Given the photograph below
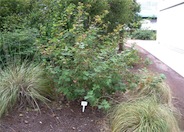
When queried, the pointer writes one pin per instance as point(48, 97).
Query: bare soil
point(67, 117)
point(57, 118)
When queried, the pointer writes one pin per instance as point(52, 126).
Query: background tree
point(34, 13)
point(120, 11)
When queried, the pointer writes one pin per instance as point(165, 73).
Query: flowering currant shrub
point(83, 60)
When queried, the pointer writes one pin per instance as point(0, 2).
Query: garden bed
point(67, 117)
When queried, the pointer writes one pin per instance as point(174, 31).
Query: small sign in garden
point(84, 104)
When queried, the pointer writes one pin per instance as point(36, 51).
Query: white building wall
point(170, 22)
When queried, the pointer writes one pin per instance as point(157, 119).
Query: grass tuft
point(143, 116)
point(152, 85)
point(22, 85)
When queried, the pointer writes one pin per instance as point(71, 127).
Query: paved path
point(172, 57)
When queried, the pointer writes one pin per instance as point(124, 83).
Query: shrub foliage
point(84, 62)
point(18, 44)
point(144, 34)
point(150, 84)
point(77, 42)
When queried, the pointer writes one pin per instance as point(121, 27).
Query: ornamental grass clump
point(143, 116)
point(151, 84)
point(23, 85)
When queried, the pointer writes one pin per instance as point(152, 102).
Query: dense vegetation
point(75, 41)
point(143, 34)
point(72, 47)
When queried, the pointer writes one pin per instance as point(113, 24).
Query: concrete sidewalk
point(172, 57)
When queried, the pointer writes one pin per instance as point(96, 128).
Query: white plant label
point(84, 104)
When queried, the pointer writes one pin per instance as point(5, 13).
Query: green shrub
point(23, 85)
point(13, 13)
point(144, 35)
point(143, 116)
point(131, 57)
point(20, 43)
point(84, 62)
point(150, 84)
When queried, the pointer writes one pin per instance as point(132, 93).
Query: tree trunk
point(120, 47)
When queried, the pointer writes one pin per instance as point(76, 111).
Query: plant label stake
point(84, 104)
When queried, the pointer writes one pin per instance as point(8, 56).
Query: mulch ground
point(68, 117)
point(57, 118)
